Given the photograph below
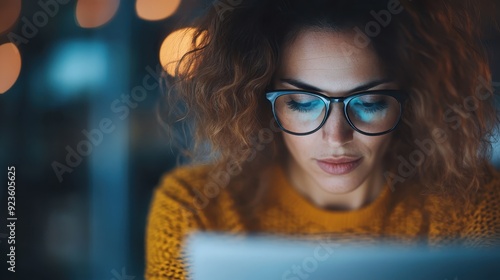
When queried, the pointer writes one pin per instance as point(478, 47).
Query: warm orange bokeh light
point(174, 47)
point(9, 12)
point(10, 66)
point(95, 13)
point(156, 9)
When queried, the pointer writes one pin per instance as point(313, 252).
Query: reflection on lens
point(374, 113)
point(300, 112)
point(304, 112)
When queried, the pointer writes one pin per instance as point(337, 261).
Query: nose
point(337, 131)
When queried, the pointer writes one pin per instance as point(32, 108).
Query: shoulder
point(482, 214)
point(487, 197)
point(475, 222)
point(171, 217)
point(201, 190)
point(486, 201)
point(185, 185)
point(172, 197)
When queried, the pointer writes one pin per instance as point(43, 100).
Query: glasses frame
point(399, 95)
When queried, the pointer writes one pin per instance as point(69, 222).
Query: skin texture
point(319, 59)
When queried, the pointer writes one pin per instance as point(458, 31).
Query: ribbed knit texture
point(402, 214)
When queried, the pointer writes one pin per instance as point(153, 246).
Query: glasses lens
point(374, 113)
point(300, 112)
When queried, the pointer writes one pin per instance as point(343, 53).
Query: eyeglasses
point(370, 113)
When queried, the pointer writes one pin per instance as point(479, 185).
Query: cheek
point(376, 146)
point(298, 146)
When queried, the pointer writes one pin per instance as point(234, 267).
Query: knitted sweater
point(401, 214)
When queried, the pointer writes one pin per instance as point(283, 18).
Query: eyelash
point(295, 106)
point(378, 106)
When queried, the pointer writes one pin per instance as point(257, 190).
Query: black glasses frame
point(399, 95)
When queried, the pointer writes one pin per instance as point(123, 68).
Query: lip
point(339, 165)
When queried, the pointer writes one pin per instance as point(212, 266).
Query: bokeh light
point(156, 9)
point(9, 12)
point(174, 47)
point(77, 66)
point(95, 13)
point(10, 66)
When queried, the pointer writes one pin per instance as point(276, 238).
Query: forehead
point(329, 60)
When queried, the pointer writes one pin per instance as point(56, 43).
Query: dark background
point(91, 224)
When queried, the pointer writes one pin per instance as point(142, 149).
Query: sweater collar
point(286, 197)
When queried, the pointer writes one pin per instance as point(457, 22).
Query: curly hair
point(431, 48)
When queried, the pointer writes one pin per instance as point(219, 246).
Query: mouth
point(339, 165)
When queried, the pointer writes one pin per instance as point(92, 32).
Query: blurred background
point(79, 86)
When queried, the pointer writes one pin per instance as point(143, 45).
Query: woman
point(343, 120)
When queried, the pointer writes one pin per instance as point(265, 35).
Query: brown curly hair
point(432, 49)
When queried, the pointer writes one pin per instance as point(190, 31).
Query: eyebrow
point(299, 84)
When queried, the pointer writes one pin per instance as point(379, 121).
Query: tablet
point(229, 257)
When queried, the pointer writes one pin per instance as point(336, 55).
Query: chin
point(340, 185)
point(339, 189)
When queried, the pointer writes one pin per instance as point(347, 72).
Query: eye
point(306, 106)
point(372, 107)
point(303, 103)
point(369, 104)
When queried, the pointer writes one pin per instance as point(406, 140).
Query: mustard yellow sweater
point(401, 214)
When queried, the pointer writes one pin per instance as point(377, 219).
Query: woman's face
point(336, 158)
